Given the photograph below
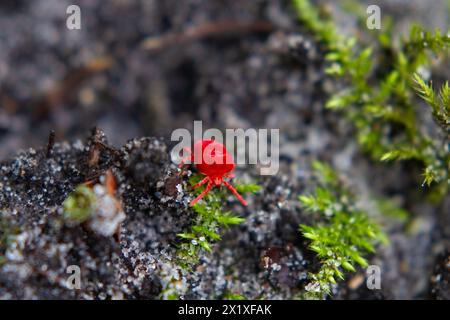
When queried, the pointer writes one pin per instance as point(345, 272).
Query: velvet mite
point(212, 159)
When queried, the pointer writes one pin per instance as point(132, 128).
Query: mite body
point(212, 159)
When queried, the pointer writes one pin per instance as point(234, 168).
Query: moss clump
point(342, 238)
point(379, 98)
point(203, 233)
point(79, 205)
point(209, 222)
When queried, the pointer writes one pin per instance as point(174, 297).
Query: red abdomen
point(212, 158)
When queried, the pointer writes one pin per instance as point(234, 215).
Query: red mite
point(214, 161)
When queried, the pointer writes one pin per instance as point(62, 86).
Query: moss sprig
point(344, 236)
point(210, 221)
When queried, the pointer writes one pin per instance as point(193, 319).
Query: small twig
point(107, 147)
point(210, 29)
point(96, 146)
point(50, 144)
point(94, 150)
point(69, 86)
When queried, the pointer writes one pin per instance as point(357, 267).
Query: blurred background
point(147, 67)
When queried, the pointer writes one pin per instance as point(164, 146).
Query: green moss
point(209, 222)
point(438, 101)
point(170, 292)
point(78, 206)
point(342, 238)
point(379, 98)
point(390, 209)
point(233, 296)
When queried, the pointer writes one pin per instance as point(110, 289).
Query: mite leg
point(201, 195)
point(205, 180)
point(236, 194)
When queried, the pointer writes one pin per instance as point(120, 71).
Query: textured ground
point(139, 260)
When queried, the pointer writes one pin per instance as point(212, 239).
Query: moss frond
point(344, 236)
point(209, 223)
point(438, 101)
